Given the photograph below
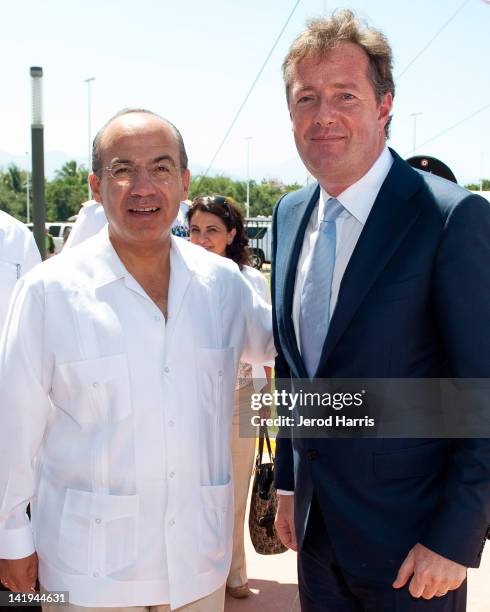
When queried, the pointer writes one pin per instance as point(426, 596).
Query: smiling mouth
point(328, 139)
point(148, 210)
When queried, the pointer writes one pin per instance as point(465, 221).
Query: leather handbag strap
point(264, 435)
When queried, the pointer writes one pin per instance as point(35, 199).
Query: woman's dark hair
point(231, 216)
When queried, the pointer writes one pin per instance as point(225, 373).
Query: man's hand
point(432, 575)
point(19, 575)
point(285, 521)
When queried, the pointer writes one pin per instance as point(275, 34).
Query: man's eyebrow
point(164, 158)
point(119, 160)
point(346, 85)
point(337, 85)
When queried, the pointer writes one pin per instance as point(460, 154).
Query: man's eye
point(347, 96)
point(304, 99)
point(161, 169)
point(121, 170)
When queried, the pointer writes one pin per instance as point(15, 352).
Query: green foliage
point(66, 192)
point(68, 189)
point(476, 186)
point(13, 191)
point(263, 195)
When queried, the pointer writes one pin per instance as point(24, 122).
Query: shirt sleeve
point(24, 410)
point(259, 342)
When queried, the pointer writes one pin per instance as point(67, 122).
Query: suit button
point(312, 454)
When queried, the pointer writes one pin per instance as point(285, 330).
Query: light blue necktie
point(317, 289)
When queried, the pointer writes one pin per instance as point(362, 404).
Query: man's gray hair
point(323, 34)
point(96, 147)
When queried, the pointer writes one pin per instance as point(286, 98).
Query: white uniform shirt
point(129, 419)
point(18, 254)
point(258, 282)
point(90, 220)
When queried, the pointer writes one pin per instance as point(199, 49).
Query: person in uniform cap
point(432, 165)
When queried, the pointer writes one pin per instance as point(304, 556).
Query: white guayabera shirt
point(128, 419)
point(18, 254)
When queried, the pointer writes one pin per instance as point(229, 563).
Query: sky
point(194, 61)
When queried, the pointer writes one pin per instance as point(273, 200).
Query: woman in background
point(216, 224)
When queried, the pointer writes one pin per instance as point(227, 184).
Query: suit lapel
point(298, 217)
point(393, 214)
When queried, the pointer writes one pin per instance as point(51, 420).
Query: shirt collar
point(109, 267)
point(358, 199)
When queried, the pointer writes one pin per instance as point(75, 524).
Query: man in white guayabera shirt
point(117, 375)
point(18, 254)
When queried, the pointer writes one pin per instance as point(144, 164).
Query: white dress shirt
point(257, 371)
point(90, 220)
point(116, 424)
point(18, 254)
point(357, 200)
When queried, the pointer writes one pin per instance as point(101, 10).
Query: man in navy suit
point(379, 524)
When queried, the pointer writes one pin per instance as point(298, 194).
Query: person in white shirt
point(18, 254)
point(117, 373)
point(217, 225)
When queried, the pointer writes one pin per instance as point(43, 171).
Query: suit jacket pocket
point(215, 524)
point(411, 462)
point(94, 390)
point(98, 532)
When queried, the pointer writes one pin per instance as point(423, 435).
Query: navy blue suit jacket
point(414, 302)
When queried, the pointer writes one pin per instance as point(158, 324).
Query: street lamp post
point(37, 148)
point(28, 212)
point(89, 119)
point(415, 115)
point(247, 205)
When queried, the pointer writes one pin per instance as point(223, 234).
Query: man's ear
point(385, 108)
point(186, 181)
point(94, 181)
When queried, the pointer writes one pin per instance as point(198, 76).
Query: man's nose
point(325, 112)
point(142, 183)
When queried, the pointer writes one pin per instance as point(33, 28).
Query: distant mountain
point(289, 171)
point(53, 160)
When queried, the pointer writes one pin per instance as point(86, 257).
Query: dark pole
point(37, 139)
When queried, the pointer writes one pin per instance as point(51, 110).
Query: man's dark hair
point(96, 147)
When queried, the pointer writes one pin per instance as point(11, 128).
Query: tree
point(476, 186)
point(12, 192)
point(263, 195)
point(66, 192)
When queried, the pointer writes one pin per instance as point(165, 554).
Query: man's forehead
point(340, 54)
point(136, 128)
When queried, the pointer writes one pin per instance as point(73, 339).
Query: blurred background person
point(18, 254)
point(216, 224)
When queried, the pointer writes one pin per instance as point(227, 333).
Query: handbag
point(263, 503)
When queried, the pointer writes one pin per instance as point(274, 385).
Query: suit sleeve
point(462, 304)
point(284, 466)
